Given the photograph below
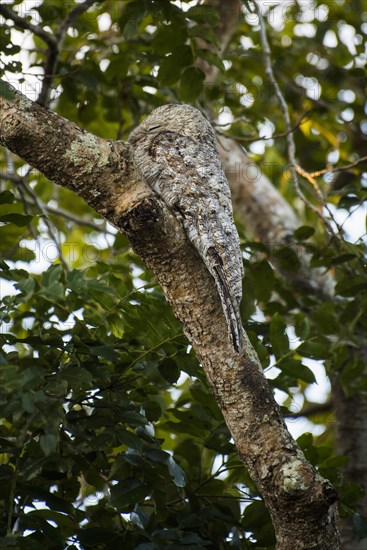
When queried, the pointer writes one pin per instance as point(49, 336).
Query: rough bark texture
point(301, 503)
point(351, 441)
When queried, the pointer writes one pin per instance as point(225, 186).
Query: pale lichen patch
point(88, 153)
point(293, 479)
point(25, 103)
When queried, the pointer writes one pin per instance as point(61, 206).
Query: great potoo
point(174, 149)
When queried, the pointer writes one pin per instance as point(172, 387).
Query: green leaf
point(174, 469)
point(315, 350)
point(126, 494)
point(287, 258)
point(351, 286)
point(108, 352)
point(6, 197)
point(303, 233)
point(172, 66)
point(17, 219)
point(343, 259)
point(176, 472)
point(192, 81)
point(152, 410)
point(169, 370)
point(211, 58)
point(92, 537)
point(168, 38)
point(205, 33)
point(263, 280)
point(204, 14)
point(278, 337)
point(297, 369)
point(6, 91)
point(48, 443)
point(130, 439)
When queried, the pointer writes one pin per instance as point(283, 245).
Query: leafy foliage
point(110, 435)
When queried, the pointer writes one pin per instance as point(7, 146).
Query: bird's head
point(181, 119)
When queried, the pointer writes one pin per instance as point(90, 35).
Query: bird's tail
point(229, 301)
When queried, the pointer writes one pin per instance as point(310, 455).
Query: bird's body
point(174, 149)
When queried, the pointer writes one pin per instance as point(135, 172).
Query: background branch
point(55, 48)
point(22, 23)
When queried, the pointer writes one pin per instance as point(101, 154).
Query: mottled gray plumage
point(174, 149)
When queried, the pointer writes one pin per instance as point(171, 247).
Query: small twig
point(22, 23)
point(55, 48)
point(309, 177)
point(312, 409)
point(338, 168)
point(41, 207)
point(291, 146)
point(274, 136)
point(302, 172)
point(12, 497)
point(278, 92)
point(79, 221)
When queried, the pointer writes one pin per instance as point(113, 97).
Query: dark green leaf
point(169, 370)
point(192, 81)
point(298, 370)
point(278, 337)
point(6, 91)
point(204, 14)
point(6, 197)
point(315, 350)
point(17, 219)
point(360, 526)
point(172, 66)
point(303, 233)
point(168, 38)
point(128, 493)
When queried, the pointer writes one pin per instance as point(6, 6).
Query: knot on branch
point(329, 492)
point(143, 216)
point(297, 477)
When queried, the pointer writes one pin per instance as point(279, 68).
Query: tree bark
point(301, 503)
point(351, 441)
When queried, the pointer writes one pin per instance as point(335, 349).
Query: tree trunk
point(351, 441)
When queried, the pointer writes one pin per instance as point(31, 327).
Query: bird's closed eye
point(151, 128)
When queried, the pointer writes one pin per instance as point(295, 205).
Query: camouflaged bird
point(174, 150)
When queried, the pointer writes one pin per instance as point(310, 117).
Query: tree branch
point(294, 167)
point(55, 48)
point(334, 169)
point(312, 409)
point(14, 178)
point(22, 23)
point(245, 139)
